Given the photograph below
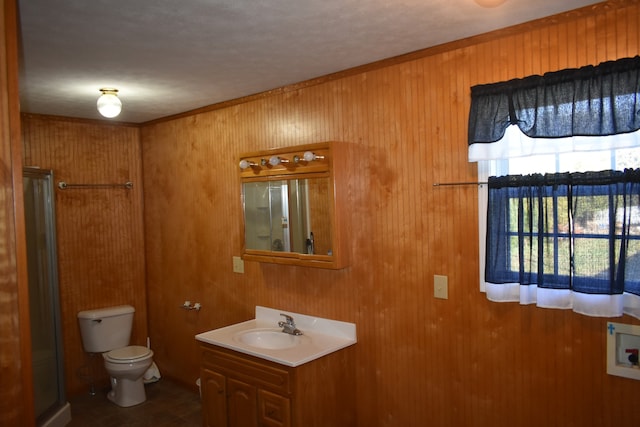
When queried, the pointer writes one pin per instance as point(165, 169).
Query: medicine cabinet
point(293, 200)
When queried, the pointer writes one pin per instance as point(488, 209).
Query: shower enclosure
point(51, 407)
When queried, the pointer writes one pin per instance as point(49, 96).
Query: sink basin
point(260, 337)
point(270, 339)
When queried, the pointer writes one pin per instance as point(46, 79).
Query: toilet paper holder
point(188, 306)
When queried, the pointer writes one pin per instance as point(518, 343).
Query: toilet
point(107, 331)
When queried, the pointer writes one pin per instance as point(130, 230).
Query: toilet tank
point(106, 329)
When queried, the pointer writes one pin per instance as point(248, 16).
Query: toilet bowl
point(126, 367)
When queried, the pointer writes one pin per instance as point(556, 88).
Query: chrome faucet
point(289, 326)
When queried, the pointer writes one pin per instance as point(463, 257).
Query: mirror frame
point(333, 165)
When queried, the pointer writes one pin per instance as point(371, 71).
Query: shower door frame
point(47, 200)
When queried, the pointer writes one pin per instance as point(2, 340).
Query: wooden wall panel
point(16, 375)
point(421, 361)
point(99, 230)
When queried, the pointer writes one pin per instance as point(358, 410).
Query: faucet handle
point(289, 326)
point(288, 318)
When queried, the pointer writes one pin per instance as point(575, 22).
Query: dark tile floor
point(167, 404)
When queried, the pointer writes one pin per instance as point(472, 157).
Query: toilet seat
point(128, 354)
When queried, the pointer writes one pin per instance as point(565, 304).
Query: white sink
point(270, 339)
point(260, 337)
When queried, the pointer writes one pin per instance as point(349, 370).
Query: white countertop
point(320, 337)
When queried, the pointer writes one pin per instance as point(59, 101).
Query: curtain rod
point(63, 185)
point(446, 184)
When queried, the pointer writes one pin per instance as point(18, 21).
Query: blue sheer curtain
point(569, 232)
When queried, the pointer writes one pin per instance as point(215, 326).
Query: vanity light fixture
point(109, 105)
point(310, 156)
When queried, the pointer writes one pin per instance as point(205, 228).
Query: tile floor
point(168, 404)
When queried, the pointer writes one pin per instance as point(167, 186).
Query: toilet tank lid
point(99, 313)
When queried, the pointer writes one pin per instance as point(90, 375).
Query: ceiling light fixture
point(109, 105)
point(490, 3)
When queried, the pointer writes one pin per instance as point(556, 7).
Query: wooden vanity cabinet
point(239, 390)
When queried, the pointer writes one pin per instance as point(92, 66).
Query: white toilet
point(107, 331)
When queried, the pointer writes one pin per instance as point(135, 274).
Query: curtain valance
point(590, 101)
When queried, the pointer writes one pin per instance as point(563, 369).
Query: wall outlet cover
point(440, 287)
point(238, 265)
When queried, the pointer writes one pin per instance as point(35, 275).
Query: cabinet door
point(273, 410)
point(214, 398)
point(242, 404)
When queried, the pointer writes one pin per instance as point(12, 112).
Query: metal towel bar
point(445, 184)
point(63, 185)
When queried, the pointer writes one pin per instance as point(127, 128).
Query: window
point(564, 232)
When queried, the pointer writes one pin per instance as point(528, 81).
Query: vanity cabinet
point(295, 205)
point(240, 390)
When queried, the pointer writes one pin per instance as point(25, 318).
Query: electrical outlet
point(440, 287)
point(238, 265)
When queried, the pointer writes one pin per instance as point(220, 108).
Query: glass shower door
point(44, 305)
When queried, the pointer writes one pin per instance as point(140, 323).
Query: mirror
point(290, 203)
point(290, 215)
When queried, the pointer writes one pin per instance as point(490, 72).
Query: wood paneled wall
point(99, 230)
point(16, 389)
point(421, 361)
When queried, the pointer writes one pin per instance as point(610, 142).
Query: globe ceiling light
point(490, 3)
point(109, 105)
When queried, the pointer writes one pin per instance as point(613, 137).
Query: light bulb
point(109, 105)
point(310, 156)
point(275, 160)
point(245, 164)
